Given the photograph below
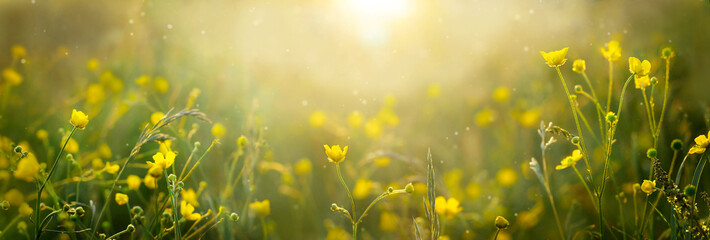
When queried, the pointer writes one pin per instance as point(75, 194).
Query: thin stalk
point(576, 121)
point(264, 231)
point(650, 117)
point(173, 198)
point(665, 99)
point(596, 102)
point(611, 84)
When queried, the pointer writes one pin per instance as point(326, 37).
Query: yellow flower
point(190, 196)
point(27, 168)
point(447, 208)
point(556, 58)
point(388, 116)
point(218, 130)
point(303, 167)
point(155, 117)
point(14, 197)
point(363, 188)
point(382, 161)
point(530, 118)
point(648, 186)
point(92, 64)
point(373, 128)
point(484, 118)
point(121, 198)
point(187, 210)
point(12, 76)
point(613, 51)
point(160, 162)
point(501, 222)
point(97, 164)
point(701, 142)
point(433, 91)
point(25, 210)
point(150, 182)
point(194, 93)
point(317, 119)
point(335, 154)
point(165, 147)
point(134, 182)
point(473, 190)
point(143, 80)
point(111, 168)
point(642, 82)
point(388, 222)
point(105, 151)
point(18, 51)
point(72, 146)
point(161, 85)
point(579, 66)
point(95, 93)
point(506, 177)
point(261, 209)
point(501, 94)
point(42, 134)
point(78, 119)
point(570, 161)
point(638, 67)
point(355, 119)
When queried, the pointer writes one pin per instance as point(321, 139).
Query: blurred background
point(388, 78)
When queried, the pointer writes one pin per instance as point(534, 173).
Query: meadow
point(354, 119)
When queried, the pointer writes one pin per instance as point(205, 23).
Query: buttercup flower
point(648, 186)
point(261, 208)
point(134, 182)
point(160, 162)
point(25, 210)
point(218, 130)
point(121, 198)
point(188, 211)
point(613, 51)
point(449, 208)
point(12, 76)
point(556, 58)
point(579, 65)
point(335, 154)
point(570, 161)
point(27, 168)
point(701, 142)
point(190, 196)
point(78, 119)
point(638, 67)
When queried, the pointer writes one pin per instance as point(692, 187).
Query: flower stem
point(352, 201)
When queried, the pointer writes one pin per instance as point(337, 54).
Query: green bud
point(80, 211)
point(137, 210)
point(575, 140)
point(667, 52)
point(654, 80)
point(501, 222)
point(5, 205)
point(676, 145)
point(651, 153)
point(18, 149)
point(689, 190)
point(409, 188)
point(390, 190)
point(172, 177)
point(131, 228)
point(180, 184)
point(578, 88)
point(234, 217)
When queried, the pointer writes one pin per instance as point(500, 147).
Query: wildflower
point(303, 167)
point(529, 118)
point(161, 85)
point(501, 222)
point(667, 53)
point(648, 186)
point(78, 119)
point(506, 177)
point(651, 153)
point(134, 182)
point(150, 182)
point(317, 119)
point(261, 208)
point(190, 196)
point(373, 128)
point(42, 134)
point(579, 66)
point(382, 161)
point(18, 51)
point(701, 142)
point(638, 67)
point(27, 168)
point(388, 116)
point(165, 147)
point(556, 58)
point(613, 51)
point(641, 82)
point(160, 161)
point(218, 130)
point(388, 222)
point(143, 80)
point(473, 190)
point(12, 77)
point(187, 210)
point(121, 198)
point(92, 64)
point(363, 188)
point(14, 197)
point(676, 145)
point(485, 117)
point(155, 117)
point(25, 210)
point(570, 161)
point(72, 146)
point(111, 168)
point(501, 94)
point(335, 154)
point(95, 93)
point(449, 208)
point(104, 151)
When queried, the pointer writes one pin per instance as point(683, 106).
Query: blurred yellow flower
point(190, 196)
point(335, 154)
point(579, 66)
point(161, 85)
point(111, 168)
point(42, 134)
point(12, 77)
point(642, 82)
point(78, 119)
point(420, 188)
point(97, 164)
point(638, 67)
point(143, 80)
point(317, 119)
point(613, 51)
point(382, 161)
point(530, 118)
point(701, 143)
point(27, 168)
point(150, 182)
point(218, 130)
point(506, 177)
point(363, 188)
point(121, 198)
point(433, 91)
point(160, 162)
point(373, 128)
point(194, 93)
point(155, 117)
point(104, 151)
point(448, 208)
point(261, 208)
point(484, 118)
point(14, 197)
point(473, 190)
point(355, 119)
point(390, 100)
point(570, 161)
point(555, 58)
point(165, 147)
point(188, 211)
point(95, 93)
point(388, 116)
point(25, 210)
point(303, 167)
point(134, 182)
point(92, 64)
point(72, 146)
point(388, 222)
point(648, 187)
point(501, 94)
point(18, 51)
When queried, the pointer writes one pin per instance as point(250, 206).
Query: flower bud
point(575, 140)
point(390, 190)
point(654, 80)
point(137, 210)
point(18, 149)
point(172, 177)
point(689, 190)
point(667, 52)
point(611, 117)
point(234, 217)
point(181, 184)
point(651, 153)
point(578, 88)
point(409, 188)
point(5, 205)
point(80, 211)
point(676, 145)
point(131, 228)
point(501, 222)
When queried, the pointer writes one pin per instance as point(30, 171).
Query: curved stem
point(352, 201)
point(665, 99)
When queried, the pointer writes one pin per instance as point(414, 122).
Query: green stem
point(646, 103)
point(263, 228)
point(665, 99)
point(600, 112)
point(176, 223)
